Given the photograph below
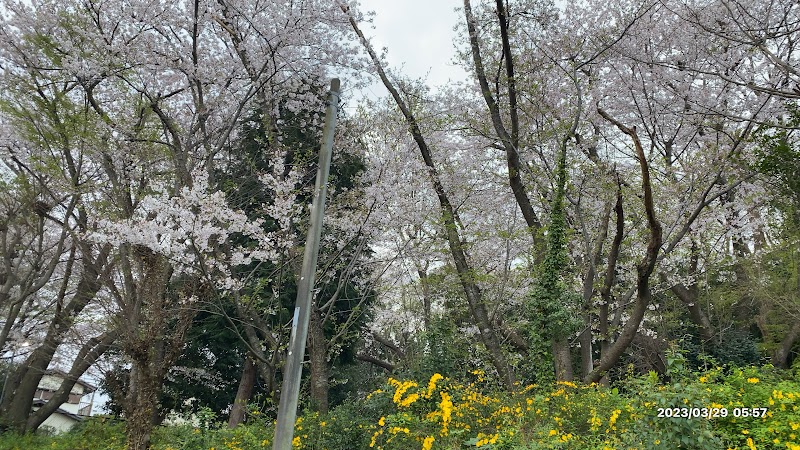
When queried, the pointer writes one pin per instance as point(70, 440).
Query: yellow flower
point(613, 419)
point(296, 441)
point(427, 444)
point(595, 422)
point(753, 380)
point(751, 444)
point(432, 384)
point(400, 388)
point(447, 410)
point(382, 421)
point(553, 433)
point(374, 437)
point(409, 400)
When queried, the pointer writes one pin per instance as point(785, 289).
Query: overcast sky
point(419, 35)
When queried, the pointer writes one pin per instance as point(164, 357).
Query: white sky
point(419, 36)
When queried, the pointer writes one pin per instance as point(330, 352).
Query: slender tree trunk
point(610, 275)
point(587, 352)
point(426, 298)
point(689, 297)
point(243, 394)
point(450, 223)
point(318, 356)
point(585, 338)
point(509, 139)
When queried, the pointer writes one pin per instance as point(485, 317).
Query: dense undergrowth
point(439, 413)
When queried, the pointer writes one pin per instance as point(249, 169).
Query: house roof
point(39, 403)
point(61, 374)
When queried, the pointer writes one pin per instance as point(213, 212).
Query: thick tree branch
point(645, 267)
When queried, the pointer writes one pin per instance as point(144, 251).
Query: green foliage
point(95, 434)
point(550, 306)
point(738, 348)
point(779, 157)
point(668, 433)
point(537, 363)
point(442, 348)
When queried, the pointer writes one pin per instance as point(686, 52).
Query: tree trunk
point(689, 296)
point(780, 358)
point(142, 400)
point(144, 344)
point(509, 139)
point(587, 353)
point(585, 338)
point(610, 277)
point(153, 335)
point(562, 359)
point(246, 384)
point(426, 298)
point(318, 356)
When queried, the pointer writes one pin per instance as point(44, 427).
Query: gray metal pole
point(290, 390)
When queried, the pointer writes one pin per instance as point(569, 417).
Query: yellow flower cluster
point(400, 388)
point(613, 420)
point(595, 421)
point(446, 407)
point(432, 384)
point(484, 439)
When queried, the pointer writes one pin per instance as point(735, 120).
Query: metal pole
point(290, 390)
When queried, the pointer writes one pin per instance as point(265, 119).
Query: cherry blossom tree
point(162, 88)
